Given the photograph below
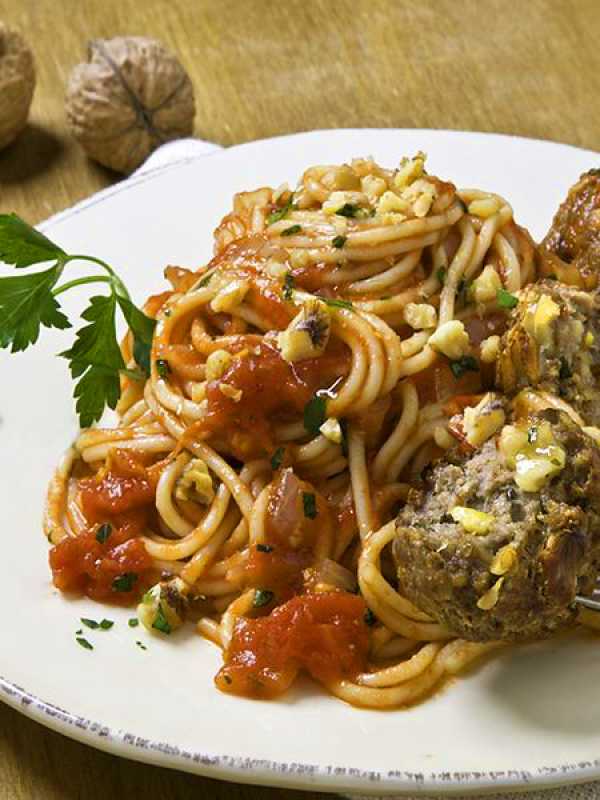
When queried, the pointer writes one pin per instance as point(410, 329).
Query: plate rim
point(264, 772)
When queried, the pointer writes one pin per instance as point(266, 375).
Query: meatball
point(553, 345)
point(571, 248)
point(493, 551)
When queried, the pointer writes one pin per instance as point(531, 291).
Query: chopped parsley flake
point(204, 281)
point(315, 414)
point(441, 275)
point(291, 230)
point(464, 364)
point(280, 213)
point(106, 624)
point(103, 532)
point(565, 371)
point(90, 623)
point(124, 582)
point(309, 504)
point(348, 210)
point(370, 618)
point(288, 286)
point(339, 241)
point(262, 597)
point(133, 622)
point(506, 299)
point(161, 623)
point(162, 367)
point(84, 643)
point(277, 458)
point(141, 646)
point(336, 303)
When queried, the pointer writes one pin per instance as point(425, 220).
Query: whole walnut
point(17, 82)
point(131, 96)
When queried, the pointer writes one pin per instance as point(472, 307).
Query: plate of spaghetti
point(327, 512)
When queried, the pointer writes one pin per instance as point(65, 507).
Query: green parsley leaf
point(21, 245)
point(506, 299)
point(163, 367)
point(27, 303)
point(262, 597)
point(142, 328)
point(370, 618)
point(441, 275)
point(277, 458)
point(103, 532)
point(90, 623)
point(161, 623)
point(339, 241)
point(309, 505)
point(315, 414)
point(79, 632)
point(282, 212)
point(124, 582)
point(336, 303)
point(348, 210)
point(133, 622)
point(106, 624)
point(96, 359)
point(84, 643)
point(288, 286)
point(464, 364)
point(264, 548)
point(291, 230)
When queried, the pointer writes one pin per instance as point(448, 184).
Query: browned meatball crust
point(553, 345)
point(571, 248)
point(552, 536)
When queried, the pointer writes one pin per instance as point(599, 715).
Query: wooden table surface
point(259, 69)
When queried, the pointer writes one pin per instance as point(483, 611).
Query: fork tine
point(585, 601)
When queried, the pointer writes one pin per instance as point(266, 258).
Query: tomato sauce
point(125, 486)
point(271, 388)
point(117, 570)
point(323, 633)
point(109, 562)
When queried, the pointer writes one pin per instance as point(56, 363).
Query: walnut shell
point(129, 98)
point(17, 82)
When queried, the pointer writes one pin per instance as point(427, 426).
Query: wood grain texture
point(260, 69)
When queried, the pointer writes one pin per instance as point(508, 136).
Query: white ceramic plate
point(529, 717)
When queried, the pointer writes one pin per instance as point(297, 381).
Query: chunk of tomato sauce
point(117, 570)
point(271, 387)
point(126, 485)
point(324, 634)
point(114, 567)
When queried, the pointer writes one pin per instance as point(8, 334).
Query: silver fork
point(592, 602)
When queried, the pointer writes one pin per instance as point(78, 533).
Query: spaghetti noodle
point(299, 383)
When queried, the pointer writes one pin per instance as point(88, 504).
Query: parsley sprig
point(29, 302)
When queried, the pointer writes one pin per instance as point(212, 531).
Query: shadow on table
point(33, 152)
